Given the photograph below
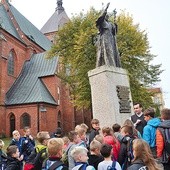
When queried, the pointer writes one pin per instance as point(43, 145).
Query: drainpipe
point(38, 117)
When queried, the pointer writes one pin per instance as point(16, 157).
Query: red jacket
point(111, 140)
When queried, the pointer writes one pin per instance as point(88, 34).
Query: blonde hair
point(77, 128)
point(142, 151)
point(65, 139)
point(77, 151)
point(1, 144)
point(41, 136)
point(81, 131)
point(54, 145)
point(15, 132)
point(84, 126)
point(95, 145)
point(99, 138)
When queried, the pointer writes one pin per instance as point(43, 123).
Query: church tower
point(57, 20)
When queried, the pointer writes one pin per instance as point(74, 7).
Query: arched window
point(59, 119)
point(25, 120)
point(11, 63)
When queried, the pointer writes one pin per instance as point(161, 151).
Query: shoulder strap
point(55, 165)
point(114, 164)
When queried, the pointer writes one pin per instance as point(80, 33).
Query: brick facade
point(42, 116)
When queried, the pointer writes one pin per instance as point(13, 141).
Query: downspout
point(38, 117)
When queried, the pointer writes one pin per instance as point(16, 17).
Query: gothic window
point(11, 63)
point(25, 120)
point(59, 119)
point(58, 92)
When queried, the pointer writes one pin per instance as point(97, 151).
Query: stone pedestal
point(111, 97)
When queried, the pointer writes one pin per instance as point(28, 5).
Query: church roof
point(6, 24)
point(57, 20)
point(25, 25)
point(29, 87)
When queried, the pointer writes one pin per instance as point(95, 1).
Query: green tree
point(75, 44)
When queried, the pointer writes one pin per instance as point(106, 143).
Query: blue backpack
point(113, 167)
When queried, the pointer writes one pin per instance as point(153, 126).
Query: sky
point(152, 16)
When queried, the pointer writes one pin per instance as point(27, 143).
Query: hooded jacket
point(149, 131)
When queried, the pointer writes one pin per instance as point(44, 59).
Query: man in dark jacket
point(138, 118)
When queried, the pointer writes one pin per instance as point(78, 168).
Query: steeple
point(59, 8)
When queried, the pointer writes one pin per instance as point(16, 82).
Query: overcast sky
point(152, 15)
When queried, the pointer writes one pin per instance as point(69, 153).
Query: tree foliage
point(75, 44)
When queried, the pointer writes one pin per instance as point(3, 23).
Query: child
point(149, 131)
point(116, 130)
point(110, 139)
point(95, 157)
point(3, 158)
point(125, 156)
point(95, 129)
point(28, 143)
point(143, 158)
point(99, 138)
point(79, 154)
point(13, 155)
point(42, 138)
point(54, 146)
point(74, 140)
point(81, 132)
point(163, 138)
point(18, 141)
point(106, 151)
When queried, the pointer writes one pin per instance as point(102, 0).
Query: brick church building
point(31, 94)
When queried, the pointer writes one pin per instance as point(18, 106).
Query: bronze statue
point(107, 51)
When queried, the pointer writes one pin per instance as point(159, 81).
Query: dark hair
point(149, 112)
point(106, 150)
point(137, 103)
point(11, 150)
point(165, 114)
point(71, 135)
point(116, 127)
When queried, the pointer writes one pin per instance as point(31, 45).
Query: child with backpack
point(126, 151)
point(106, 152)
point(143, 158)
point(39, 154)
point(79, 154)
point(13, 162)
point(163, 139)
point(54, 146)
point(149, 131)
point(3, 158)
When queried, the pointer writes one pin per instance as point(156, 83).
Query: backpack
point(130, 155)
point(54, 166)
point(166, 137)
point(113, 167)
point(3, 161)
point(35, 160)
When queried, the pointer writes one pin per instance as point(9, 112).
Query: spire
point(59, 8)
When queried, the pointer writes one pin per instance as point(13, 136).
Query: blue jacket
point(149, 131)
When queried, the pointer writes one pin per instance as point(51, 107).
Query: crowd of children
point(107, 148)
